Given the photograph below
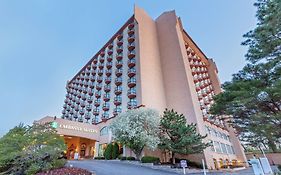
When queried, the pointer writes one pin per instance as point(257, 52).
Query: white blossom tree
point(136, 129)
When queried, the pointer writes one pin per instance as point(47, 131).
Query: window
point(217, 147)
point(104, 131)
point(223, 146)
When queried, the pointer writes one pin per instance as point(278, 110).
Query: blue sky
point(44, 43)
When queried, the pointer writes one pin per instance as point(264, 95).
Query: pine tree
point(179, 137)
point(253, 96)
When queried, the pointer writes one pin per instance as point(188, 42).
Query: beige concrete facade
point(156, 64)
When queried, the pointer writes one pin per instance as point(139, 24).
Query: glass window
point(104, 131)
point(217, 147)
point(223, 146)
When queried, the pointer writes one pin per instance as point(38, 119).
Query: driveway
point(105, 167)
point(101, 167)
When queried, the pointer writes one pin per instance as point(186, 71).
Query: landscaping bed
point(66, 171)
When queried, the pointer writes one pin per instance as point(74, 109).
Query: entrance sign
point(183, 165)
point(77, 128)
point(56, 125)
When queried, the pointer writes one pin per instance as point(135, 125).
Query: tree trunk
point(173, 158)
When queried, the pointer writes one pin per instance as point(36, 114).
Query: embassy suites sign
point(72, 127)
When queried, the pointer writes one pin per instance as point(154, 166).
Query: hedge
point(150, 159)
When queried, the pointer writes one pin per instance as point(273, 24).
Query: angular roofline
point(105, 45)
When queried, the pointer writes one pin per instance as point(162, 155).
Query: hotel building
point(151, 63)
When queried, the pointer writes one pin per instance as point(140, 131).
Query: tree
point(253, 96)
point(108, 151)
point(115, 151)
point(30, 149)
point(136, 129)
point(179, 137)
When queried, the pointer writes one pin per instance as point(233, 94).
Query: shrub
point(108, 151)
point(150, 159)
point(99, 158)
point(279, 167)
point(31, 149)
point(120, 156)
point(115, 151)
point(123, 158)
point(131, 158)
point(66, 170)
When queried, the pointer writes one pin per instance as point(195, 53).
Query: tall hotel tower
point(156, 64)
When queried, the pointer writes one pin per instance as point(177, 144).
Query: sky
point(44, 43)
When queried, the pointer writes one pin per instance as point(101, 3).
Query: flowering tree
point(137, 128)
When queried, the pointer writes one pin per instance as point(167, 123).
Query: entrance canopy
point(72, 128)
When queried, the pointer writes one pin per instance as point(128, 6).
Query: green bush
point(131, 158)
point(99, 158)
point(123, 158)
point(150, 159)
point(108, 151)
point(279, 167)
point(30, 149)
point(120, 156)
point(115, 151)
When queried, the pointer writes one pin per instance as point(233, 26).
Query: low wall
point(273, 158)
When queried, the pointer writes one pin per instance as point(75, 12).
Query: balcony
point(105, 107)
point(131, 38)
point(97, 102)
point(132, 104)
point(107, 88)
point(80, 119)
point(131, 32)
point(109, 65)
point(84, 97)
point(131, 63)
point(84, 90)
point(90, 100)
point(101, 65)
point(98, 87)
point(110, 46)
point(83, 72)
point(96, 111)
point(87, 116)
point(106, 97)
point(81, 112)
point(99, 79)
point(90, 92)
point(98, 94)
point(101, 59)
point(82, 78)
point(94, 66)
point(83, 105)
point(76, 108)
point(94, 121)
point(132, 82)
point(131, 26)
point(102, 53)
point(119, 56)
point(89, 108)
point(118, 72)
point(108, 72)
point(104, 117)
point(117, 100)
point(109, 58)
point(78, 102)
point(120, 37)
point(95, 60)
point(119, 64)
point(117, 111)
point(110, 52)
point(131, 46)
point(107, 80)
point(118, 90)
point(100, 72)
point(92, 85)
point(119, 49)
point(132, 93)
point(119, 42)
point(118, 81)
